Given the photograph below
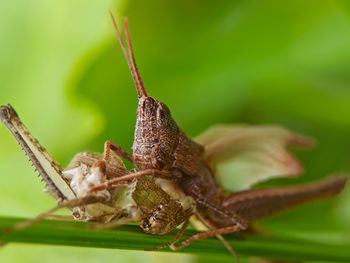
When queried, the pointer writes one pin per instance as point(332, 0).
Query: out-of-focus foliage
point(282, 62)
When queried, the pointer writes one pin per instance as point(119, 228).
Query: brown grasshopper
point(97, 187)
point(138, 200)
point(162, 149)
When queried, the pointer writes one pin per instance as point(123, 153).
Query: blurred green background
point(283, 62)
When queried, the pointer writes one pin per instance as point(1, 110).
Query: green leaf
point(130, 237)
point(281, 62)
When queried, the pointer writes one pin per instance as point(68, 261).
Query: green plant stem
point(130, 237)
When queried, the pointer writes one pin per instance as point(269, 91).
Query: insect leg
point(147, 172)
point(210, 233)
point(110, 145)
point(231, 216)
point(49, 169)
point(111, 162)
point(220, 237)
point(64, 204)
point(60, 217)
point(179, 234)
point(259, 203)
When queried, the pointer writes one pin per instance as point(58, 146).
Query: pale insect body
point(83, 174)
point(75, 181)
point(139, 199)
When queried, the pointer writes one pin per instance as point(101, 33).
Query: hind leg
point(176, 238)
point(210, 226)
point(210, 233)
point(64, 204)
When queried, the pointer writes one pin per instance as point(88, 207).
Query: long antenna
point(132, 70)
point(131, 54)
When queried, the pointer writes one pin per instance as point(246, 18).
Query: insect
point(98, 187)
point(137, 200)
point(162, 149)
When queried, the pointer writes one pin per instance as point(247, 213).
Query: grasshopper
point(98, 187)
point(137, 200)
point(162, 149)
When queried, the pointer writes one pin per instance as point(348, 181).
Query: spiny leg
point(179, 234)
point(219, 231)
point(220, 237)
point(49, 169)
point(259, 203)
point(64, 204)
point(218, 208)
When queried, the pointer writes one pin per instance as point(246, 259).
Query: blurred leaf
point(257, 62)
point(131, 238)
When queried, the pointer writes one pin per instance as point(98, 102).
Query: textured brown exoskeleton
point(99, 188)
point(140, 199)
point(162, 149)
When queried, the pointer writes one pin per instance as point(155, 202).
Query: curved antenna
point(131, 54)
point(132, 70)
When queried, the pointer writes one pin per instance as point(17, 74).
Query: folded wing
point(243, 155)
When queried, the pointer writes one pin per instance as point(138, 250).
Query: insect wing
point(243, 155)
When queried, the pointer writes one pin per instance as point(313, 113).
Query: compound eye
point(146, 225)
point(76, 214)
